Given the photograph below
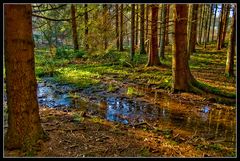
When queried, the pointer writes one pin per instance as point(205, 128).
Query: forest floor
point(195, 125)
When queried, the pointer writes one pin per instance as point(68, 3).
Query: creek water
point(213, 124)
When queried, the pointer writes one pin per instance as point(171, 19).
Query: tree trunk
point(147, 13)
point(117, 31)
point(182, 77)
point(210, 21)
point(225, 24)
point(163, 31)
point(86, 26)
point(142, 47)
point(194, 27)
point(199, 22)
point(105, 17)
point(136, 26)
point(153, 59)
point(206, 26)
point(202, 23)
point(220, 26)
point(24, 127)
point(229, 70)
point(121, 28)
point(189, 30)
point(132, 51)
point(214, 20)
point(167, 25)
point(74, 28)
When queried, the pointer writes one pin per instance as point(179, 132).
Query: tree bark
point(132, 51)
point(74, 28)
point(202, 23)
point(182, 77)
point(24, 127)
point(199, 22)
point(229, 70)
point(117, 27)
point(163, 31)
point(153, 58)
point(86, 26)
point(214, 20)
point(147, 22)
point(121, 28)
point(206, 26)
point(194, 27)
point(142, 47)
point(105, 17)
point(220, 27)
point(225, 24)
point(167, 25)
point(136, 26)
point(210, 21)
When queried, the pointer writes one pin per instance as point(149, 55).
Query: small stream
point(214, 124)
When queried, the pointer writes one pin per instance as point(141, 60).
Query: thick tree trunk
point(167, 25)
point(86, 26)
point(214, 20)
point(24, 128)
point(163, 31)
point(153, 59)
point(210, 21)
point(220, 27)
point(231, 49)
point(136, 26)
point(182, 77)
point(194, 27)
point(121, 28)
point(74, 28)
point(132, 51)
point(117, 30)
point(225, 24)
point(142, 47)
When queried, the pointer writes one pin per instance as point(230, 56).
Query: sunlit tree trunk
point(153, 59)
point(121, 28)
point(182, 77)
point(225, 24)
point(232, 45)
point(86, 26)
point(132, 51)
point(210, 21)
point(117, 31)
point(214, 20)
point(199, 22)
point(142, 47)
point(189, 30)
point(24, 127)
point(163, 31)
point(194, 27)
point(220, 29)
point(74, 28)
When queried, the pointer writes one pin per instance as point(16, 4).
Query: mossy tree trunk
point(24, 128)
point(232, 45)
point(153, 58)
point(74, 28)
point(182, 77)
point(136, 26)
point(167, 25)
